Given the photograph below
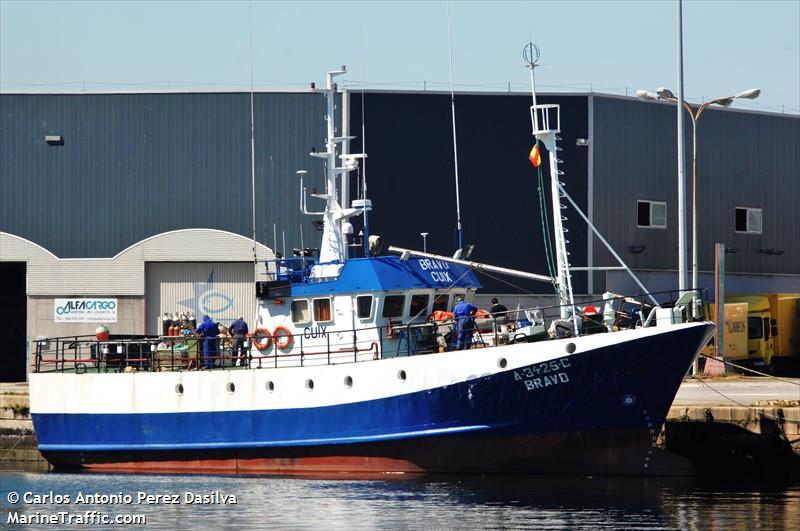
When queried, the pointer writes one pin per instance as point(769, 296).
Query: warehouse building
point(119, 208)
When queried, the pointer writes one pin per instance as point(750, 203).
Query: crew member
point(464, 313)
point(209, 330)
point(497, 309)
point(239, 331)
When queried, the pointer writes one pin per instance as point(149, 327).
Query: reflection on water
point(431, 502)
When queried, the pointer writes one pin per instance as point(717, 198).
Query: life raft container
point(440, 315)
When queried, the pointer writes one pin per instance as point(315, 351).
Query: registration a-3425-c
point(544, 374)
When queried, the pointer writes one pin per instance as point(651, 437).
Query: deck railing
point(82, 354)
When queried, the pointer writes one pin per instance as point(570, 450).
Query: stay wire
point(523, 290)
point(751, 370)
point(763, 413)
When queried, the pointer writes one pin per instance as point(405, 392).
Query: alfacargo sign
point(85, 310)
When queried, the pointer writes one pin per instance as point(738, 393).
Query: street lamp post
point(662, 93)
point(424, 241)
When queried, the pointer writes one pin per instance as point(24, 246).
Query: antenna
point(459, 229)
point(531, 54)
point(365, 236)
point(252, 140)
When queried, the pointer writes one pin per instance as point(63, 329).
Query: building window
point(652, 214)
point(364, 306)
point(748, 220)
point(393, 305)
point(419, 305)
point(322, 310)
point(300, 311)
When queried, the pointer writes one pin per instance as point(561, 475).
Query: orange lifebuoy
point(283, 337)
point(264, 342)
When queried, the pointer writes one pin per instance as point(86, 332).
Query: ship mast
point(336, 227)
point(546, 124)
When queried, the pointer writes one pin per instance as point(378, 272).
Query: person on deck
point(464, 313)
point(497, 309)
point(209, 330)
point(239, 331)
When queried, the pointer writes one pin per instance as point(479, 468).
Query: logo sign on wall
point(85, 310)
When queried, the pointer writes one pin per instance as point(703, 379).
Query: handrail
point(157, 353)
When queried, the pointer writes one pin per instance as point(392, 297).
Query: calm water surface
point(452, 502)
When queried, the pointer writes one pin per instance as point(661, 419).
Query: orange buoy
point(283, 338)
point(262, 339)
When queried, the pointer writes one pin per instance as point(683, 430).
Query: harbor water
point(450, 502)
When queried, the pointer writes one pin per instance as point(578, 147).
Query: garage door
point(223, 291)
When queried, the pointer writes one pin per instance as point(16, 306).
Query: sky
point(613, 47)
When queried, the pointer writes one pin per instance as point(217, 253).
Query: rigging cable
point(455, 144)
point(762, 413)
point(742, 367)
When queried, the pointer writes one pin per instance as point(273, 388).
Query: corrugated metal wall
point(135, 165)
point(744, 159)
point(223, 291)
point(410, 173)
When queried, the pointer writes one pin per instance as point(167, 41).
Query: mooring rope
point(751, 370)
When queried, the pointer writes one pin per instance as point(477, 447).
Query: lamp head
point(665, 93)
point(749, 94)
point(725, 102)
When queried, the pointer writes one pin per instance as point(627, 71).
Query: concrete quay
point(741, 427)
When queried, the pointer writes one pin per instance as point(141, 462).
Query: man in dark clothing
point(239, 331)
point(497, 309)
point(209, 330)
point(464, 313)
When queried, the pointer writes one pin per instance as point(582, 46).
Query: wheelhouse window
point(440, 303)
point(651, 214)
point(364, 306)
point(322, 310)
point(419, 305)
point(300, 311)
point(393, 305)
point(748, 220)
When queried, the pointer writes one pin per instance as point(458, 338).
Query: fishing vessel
point(360, 365)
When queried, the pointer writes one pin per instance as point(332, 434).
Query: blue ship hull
point(597, 412)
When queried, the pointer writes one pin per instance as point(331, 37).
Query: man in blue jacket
point(239, 331)
point(210, 330)
point(464, 313)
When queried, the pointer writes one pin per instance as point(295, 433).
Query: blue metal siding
point(410, 174)
point(135, 165)
point(744, 159)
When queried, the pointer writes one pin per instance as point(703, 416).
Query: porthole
point(230, 387)
point(310, 384)
point(502, 362)
point(348, 381)
point(401, 375)
point(270, 386)
point(179, 389)
point(570, 348)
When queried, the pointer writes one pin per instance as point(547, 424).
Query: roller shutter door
point(221, 290)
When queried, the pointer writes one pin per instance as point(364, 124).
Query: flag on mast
point(535, 157)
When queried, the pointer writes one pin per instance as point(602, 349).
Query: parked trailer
point(773, 330)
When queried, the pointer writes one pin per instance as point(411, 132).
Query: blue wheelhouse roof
point(389, 273)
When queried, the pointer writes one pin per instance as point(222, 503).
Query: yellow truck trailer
point(773, 330)
point(735, 347)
